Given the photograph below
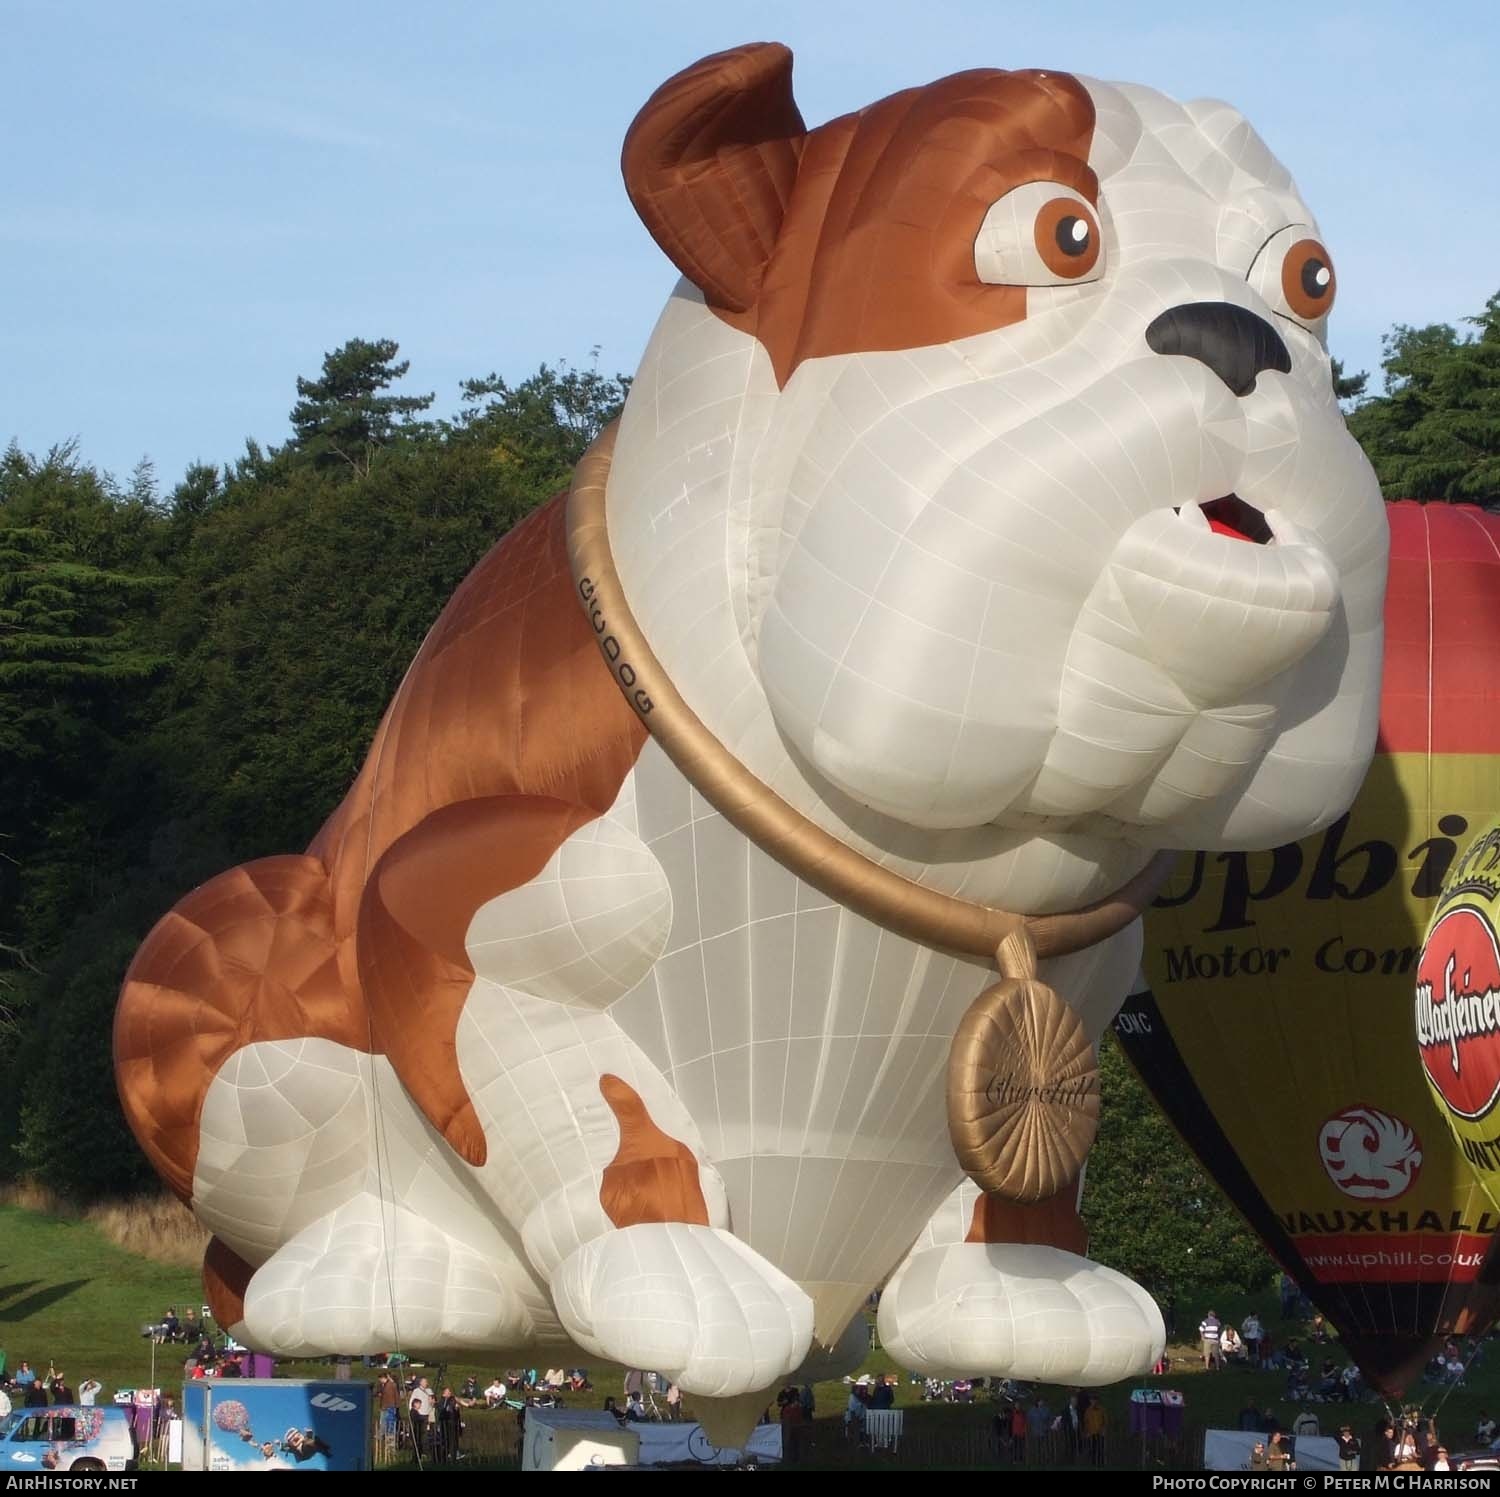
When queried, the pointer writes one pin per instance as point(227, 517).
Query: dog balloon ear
point(709, 164)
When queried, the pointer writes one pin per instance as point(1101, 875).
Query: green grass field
point(70, 1297)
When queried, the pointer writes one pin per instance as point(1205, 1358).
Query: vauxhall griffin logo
point(1369, 1154)
point(1458, 1011)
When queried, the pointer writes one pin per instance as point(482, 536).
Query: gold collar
point(850, 878)
point(1023, 1098)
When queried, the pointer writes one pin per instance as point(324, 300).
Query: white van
point(67, 1437)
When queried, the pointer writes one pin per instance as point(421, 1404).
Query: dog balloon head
point(1054, 521)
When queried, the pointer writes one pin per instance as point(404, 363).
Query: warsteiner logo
point(1458, 1011)
point(1369, 1154)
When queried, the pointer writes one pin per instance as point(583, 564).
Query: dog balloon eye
point(1307, 280)
point(1295, 276)
point(1039, 234)
point(1067, 238)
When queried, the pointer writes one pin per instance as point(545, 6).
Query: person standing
point(387, 1400)
point(450, 1425)
point(1208, 1333)
point(1427, 1446)
point(1349, 1449)
point(1251, 1331)
point(1279, 1454)
point(1018, 1433)
point(854, 1414)
point(1038, 1419)
point(1000, 1431)
point(1095, 1422)
point(789, 1407)
point(420, 1406)
point(1385, 1443)
point(1078, 1406)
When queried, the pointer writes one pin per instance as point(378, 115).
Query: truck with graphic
point(275, 1424)
point(66, 1437)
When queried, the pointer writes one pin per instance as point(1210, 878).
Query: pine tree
point(1435, 432)
point(1348, 386)
point(142, 489)
point(343, 417)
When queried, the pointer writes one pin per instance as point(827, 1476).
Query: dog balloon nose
point(1233, 342)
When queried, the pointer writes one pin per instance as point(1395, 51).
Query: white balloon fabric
point(983, 493)
point(1021, 1310)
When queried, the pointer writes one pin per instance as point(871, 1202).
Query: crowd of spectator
point(23, 1387)
point(428, 1415)
point(28, 1389)
point(1080, 1426)
point(1252, 1347)
point(433, 1427)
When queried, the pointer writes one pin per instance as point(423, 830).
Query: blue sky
point(201, 199)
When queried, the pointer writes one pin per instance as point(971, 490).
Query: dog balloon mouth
point(1231, 516)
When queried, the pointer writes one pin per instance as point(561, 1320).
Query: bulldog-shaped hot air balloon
point(981, 522)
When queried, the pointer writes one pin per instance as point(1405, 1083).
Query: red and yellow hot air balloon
point(1276, 1031)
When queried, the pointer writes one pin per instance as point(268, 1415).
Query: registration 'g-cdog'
point(981, 523)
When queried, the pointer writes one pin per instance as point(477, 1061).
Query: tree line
point(190, 678)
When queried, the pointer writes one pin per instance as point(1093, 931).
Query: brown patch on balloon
point(249, 956)
point(226, 1277)
point(857, 236)
point(710, 163)
point(1053, 1222)
point(414, 969)
point(1023, 1091)
point(653, 1176)
point(506, 736)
